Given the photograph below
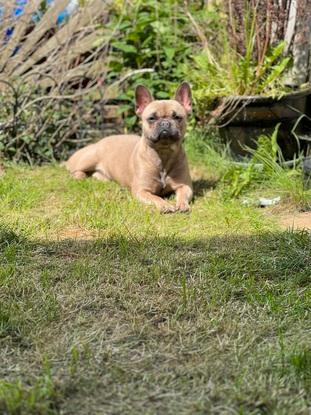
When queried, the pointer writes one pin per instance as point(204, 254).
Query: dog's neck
point(163, 154)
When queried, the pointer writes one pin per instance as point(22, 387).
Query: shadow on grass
point(200, 186)
point(89, 288)
point(275, 255)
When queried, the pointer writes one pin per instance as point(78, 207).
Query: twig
point(200, 35)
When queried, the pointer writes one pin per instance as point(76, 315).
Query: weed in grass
point(40, 398)
point(267, 172)
point(264, 174)
point(208, 153)
point(300, 361)
point(8, 327)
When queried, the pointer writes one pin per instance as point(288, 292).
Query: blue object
point(19, 10)
point(20, 5)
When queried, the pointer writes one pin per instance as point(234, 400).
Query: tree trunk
point(301, 45)
point(276, 20)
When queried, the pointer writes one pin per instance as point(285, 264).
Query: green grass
point(263, 174)
point(108, 307)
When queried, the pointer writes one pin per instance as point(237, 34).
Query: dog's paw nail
point(183, 208)
point(168, 209)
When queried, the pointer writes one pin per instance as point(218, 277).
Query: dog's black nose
point(165, 124)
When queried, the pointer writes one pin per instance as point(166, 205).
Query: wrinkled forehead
point(164, 109)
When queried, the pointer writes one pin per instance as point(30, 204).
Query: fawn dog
point(153, 165)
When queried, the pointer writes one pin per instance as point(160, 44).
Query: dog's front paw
point(183, 207)
point(167, 208)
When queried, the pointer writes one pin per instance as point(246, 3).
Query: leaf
point(274, 74)
point(169, 52)
point(162, 94)
point(125, 47)
point(130, 121)
point(275, 53)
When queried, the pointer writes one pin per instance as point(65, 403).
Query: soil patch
point(297, 220)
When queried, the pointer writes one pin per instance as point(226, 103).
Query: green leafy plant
point(230, 70)
point(262, 165)
point(154, 35)
point(236, 75)
point(267, 171)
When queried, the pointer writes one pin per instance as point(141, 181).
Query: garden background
point(108, 307)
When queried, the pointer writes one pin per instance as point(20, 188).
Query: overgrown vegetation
point(41, 128)
point(266, 164)
point(247, 57)
point(50, 91)
point(150, 35)
point(263, 174)
point(56, 79)
point(154, 35)
point(234, 74)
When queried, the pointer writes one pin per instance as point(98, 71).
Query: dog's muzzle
point(165, 131)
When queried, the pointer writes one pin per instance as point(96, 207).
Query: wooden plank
point(291, 23)
point(20, 27)
point(63, 36)
point(47, 22)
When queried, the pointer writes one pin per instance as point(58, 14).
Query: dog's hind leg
point(99, 175)
point(79, 174)
point(82, 163)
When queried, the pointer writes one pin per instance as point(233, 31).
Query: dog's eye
point(152, 119)
point(177, 117)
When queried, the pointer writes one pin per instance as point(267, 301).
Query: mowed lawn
point(108, 307)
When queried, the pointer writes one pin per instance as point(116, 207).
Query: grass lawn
point(108, 307)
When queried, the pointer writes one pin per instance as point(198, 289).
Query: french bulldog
point(153, 165)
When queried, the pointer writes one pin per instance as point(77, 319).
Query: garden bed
point(244, 119)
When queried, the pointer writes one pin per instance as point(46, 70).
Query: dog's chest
point(164, 183)
point(160, 181)
point(163, 178)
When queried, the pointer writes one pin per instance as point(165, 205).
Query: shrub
point(155, 35)
point(250, 60)
point(56, 79)
point(49, 80)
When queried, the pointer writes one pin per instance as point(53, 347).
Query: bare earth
point(297, 220)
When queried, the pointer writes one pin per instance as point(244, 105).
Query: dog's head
point(163, 121)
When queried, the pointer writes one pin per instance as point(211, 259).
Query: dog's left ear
point(143, 97)
point(184, 97)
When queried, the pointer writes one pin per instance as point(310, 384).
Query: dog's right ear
point(142, 99)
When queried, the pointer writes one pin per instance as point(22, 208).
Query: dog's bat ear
point(184, 97)
point(143, 97)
